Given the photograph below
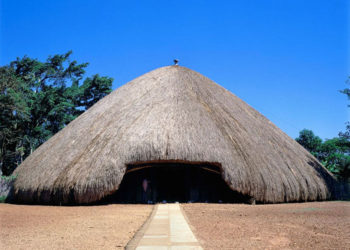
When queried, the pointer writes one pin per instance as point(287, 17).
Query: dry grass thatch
point(171, 113)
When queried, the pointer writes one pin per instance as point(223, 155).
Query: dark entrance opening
point(172, 182)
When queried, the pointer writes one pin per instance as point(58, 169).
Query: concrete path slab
point(168, 229)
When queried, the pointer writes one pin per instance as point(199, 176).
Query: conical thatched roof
point(171, 113)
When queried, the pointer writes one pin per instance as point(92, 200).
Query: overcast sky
point(287, 59)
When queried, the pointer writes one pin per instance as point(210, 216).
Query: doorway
point(174, 182)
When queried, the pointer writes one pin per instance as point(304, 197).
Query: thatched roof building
point(170, 115)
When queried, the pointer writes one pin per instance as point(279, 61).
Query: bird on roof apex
point(176, 62)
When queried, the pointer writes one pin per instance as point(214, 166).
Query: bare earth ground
point(81, 227)
point(313, 225)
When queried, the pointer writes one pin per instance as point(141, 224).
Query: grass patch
point(8, 178)
point(3, 199)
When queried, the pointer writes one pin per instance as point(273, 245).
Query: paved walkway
point(168, 230)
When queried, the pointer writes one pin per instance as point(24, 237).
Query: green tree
point(346, 91)
point(40, 98)
point(334, 153)
point(346, 134)
point(94, 89)
point(309, 141)
point(13, 111)
point(344, 142)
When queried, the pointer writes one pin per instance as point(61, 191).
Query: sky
point(287, 59)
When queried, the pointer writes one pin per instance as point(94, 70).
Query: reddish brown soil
point(314, 225)
point(53, 227)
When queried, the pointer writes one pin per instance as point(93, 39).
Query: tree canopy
point(310, 141)
point(333, 153)
point(37, 99)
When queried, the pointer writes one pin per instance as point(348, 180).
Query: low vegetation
point(6, 183)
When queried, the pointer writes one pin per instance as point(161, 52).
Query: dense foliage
point(333, 153)
point(37, 99)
